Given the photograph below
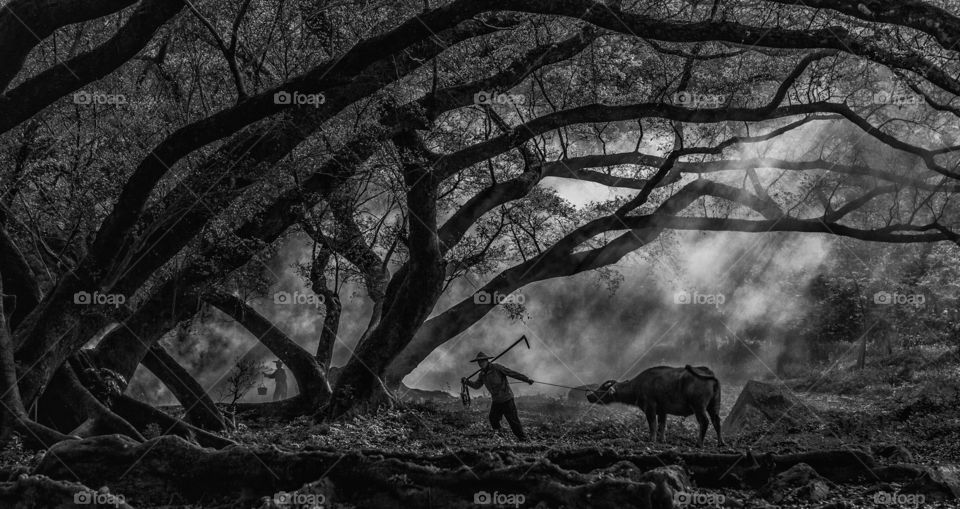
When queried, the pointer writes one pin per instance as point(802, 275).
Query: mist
point(582, 331)
point(215, 342)
point(590, 327)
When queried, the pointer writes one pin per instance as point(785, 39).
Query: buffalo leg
point(714, 410)
point(715, 419)
point(662, 426)
point(703, 421)
point(651, 422)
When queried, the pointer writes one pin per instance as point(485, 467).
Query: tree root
point(41, 491)
point(151, 471)
point(68, 400)
point(74, 398)
point(39, 437)
point(748, 469)
point(380, 398)
point(201, 411)
point(13, 415)
point(143, 415)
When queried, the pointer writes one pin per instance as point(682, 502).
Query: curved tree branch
point(25, 23)
point(40, 91)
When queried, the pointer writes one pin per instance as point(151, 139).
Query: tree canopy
point(155, 153)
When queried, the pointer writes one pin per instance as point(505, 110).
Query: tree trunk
point(68, 404)
point(13, 415)
point(435, 332)
point(412, 302)
point(306, 370)
point(199, 408)
point(18, 280)
point(331, 326)
point(53, 332)
point(862, 355)
point(143, 415)
point(124, 347)
point(13, 410)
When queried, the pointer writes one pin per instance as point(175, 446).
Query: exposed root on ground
point(150, 472)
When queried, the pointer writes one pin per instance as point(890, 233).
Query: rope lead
point(465, 390)
point(564, 386)
point(555, 385)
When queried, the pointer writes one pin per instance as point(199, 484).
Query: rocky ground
point(886, 436)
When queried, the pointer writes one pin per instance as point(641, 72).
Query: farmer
point(280, 375)
point(494, 378)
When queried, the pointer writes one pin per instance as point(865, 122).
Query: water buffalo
point(665, 390)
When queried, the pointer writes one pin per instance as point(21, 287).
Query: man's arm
point(513, 374)
point(473, 384)
point(270, 375)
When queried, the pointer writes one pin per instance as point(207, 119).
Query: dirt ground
point(864, 420)
point(913, 410)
